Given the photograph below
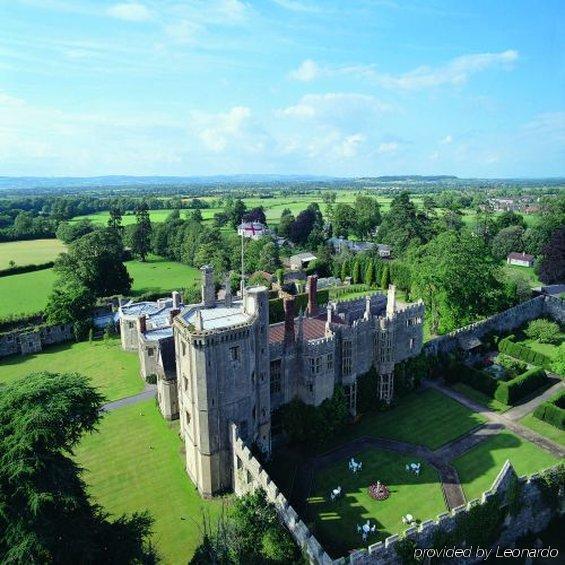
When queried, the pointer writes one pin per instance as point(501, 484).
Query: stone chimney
point(142, 324)
point(176, 300)
point(288, 304)
point(329, 310)
point(228, 294)
point(312, 291)
point(198, 323)
point(172, 314)
point(391, 301)
point(367, 315)
point(208, 287)
point(300, 328)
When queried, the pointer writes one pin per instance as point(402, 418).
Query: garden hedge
point(19, 269)
point(552, 412)
point(510, 392)
point(510, 347)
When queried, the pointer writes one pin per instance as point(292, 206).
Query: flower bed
point(378, 491)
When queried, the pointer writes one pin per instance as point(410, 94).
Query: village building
point(253, 230)
point(520, 259)
point(340, 244)
point(301, 260)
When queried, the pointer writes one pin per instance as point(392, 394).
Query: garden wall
point(32, 340)
point(532, 516)
point(504, 322)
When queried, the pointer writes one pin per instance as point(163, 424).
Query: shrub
point(511, 392)
point(552, 411)
point(519, 351)
point(18, 270)
point(513, 367)
point(544, 331)
point(151, 379)
point(558, 363)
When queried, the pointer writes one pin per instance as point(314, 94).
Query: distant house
point(339, 244)
point(301, 260)
point(520, 259)
point(253, 230)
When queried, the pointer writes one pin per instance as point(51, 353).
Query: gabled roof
point(520, 256)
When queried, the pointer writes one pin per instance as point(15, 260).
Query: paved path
point(149, 392)
point(523, 409)
point(500, 420)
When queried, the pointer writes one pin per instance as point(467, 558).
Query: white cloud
point(218, 131)
point(183, 31)
point(387, 147)
point(455, 72)
point(129, 11)
point(350, 145)
point(296, 6)
point(447, 140)
point(306, 72)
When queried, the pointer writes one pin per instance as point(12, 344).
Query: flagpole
point(242, 265)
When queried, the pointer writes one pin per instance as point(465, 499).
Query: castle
point(220, 362)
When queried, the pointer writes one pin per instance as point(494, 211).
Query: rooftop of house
point(217, 318)
point(520, 256)
point(312, 328)
point(304, 256)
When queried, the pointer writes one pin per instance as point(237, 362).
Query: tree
point(345, 270)
point(403, 224)
point(544, 331)
point(269, 259)
point(141, 236)
point(458, 280)
point(115, 219)
point(507, 240)
point(552, 269)
point(46, 514)
point(343, 219)
point(95, 261)
point(235, 209)
point(367, 216)
point(255, 215)
point(369, 273)
point(385, 279)
point(68, 232)
point(285, 223)
point(301, 228)
point(510, 218)
point(356, 275)
point(196, 215)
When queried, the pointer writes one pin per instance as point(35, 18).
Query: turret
point(208, 288)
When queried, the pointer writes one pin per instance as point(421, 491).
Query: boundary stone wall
point(32, 340)
point(533, 517)
point(503, 322)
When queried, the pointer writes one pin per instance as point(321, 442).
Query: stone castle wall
point(504, 322)
point(32, 340)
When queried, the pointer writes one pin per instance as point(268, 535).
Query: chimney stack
point(208, 287)
point(142, 324)
point(172, 314)
point(176, 300)
point(367, 307)
point(228, 294)
point(391, 301)
point(312, 291)
point(288, 304)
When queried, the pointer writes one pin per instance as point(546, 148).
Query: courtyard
point(113, 371)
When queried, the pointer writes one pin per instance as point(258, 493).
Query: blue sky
point(349, 88)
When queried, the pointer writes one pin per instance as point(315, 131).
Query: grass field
point(157, 275)
point(135, 463)
point(112, 370)
point(336, 521)
point(479, 466)
point(426, 418)
point(543, 428)
point(25, 293)
point(34, 251)
point(28, 292)
point(527, 272)
point(548, 349)
point(480, 397)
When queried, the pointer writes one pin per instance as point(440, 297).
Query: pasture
point(33, 251)
point(135, 463)
point(113, 371)
point(25, 293)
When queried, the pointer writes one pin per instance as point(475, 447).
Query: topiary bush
point(552, 411)
point(510, 392)
point(544, 331)
point(519, 351)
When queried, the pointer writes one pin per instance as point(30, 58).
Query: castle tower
point(208, 287)
point(223, 378)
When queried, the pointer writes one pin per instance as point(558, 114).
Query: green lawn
point(543, 428)
point(480, 397)
point(336, 521)
point(548, 349)
point(156, 275)
point(34, 251)
point(135, 463)
point(479, 466)
point(114, 371)
point(25, 293)
point(427, 418)
point(528, 272)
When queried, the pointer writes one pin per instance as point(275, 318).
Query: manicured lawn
point(114, 371)
point(135, 463)
point(427, 418)
point(27, 252)
point(528, 272)
point(157, 274)
point(336, 521)
point(548, 349)
point(543, 428)
point(479, 397)
point(479, 466)
point(25, 293)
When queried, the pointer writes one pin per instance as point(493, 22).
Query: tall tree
point(285, 223)
point(141, 236)
point(343, 219)
point(507, 240)
point(46, 514)
point(96, 262)
point(356, 276)
point(367, 216)
point(552, 268)
point(115, 219)
point(369, 273)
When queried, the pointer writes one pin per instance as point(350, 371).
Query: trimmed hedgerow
point(510, 347)
point(19, 269)
point(510, 392)
point(552, 412)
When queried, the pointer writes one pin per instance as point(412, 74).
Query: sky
point(341, 88)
